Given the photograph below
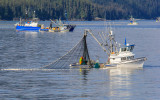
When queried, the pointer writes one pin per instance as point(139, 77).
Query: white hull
point(136, 63)
point(134, 23)
point(132, 64)
point(58, 31)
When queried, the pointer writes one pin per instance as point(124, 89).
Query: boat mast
point(110, 39)
point(20, 21)
point(26, 14)
point(34, 16)
point(113, 44)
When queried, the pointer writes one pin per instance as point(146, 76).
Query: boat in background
point(132, 21)
point(158, 19)
point(59, 27)
point(31, 25)
point(28, 26)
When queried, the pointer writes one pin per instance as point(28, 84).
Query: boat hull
point(27, 28)
point(70, 27)
point(135, 63)
point(79, 66)
point(133, 23)
point(138, 63)
point(51, 30)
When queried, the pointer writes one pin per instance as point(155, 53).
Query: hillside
point(80, 9)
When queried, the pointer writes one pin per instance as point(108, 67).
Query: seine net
point(72, 57)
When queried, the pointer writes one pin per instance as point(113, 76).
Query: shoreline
point(87, 20)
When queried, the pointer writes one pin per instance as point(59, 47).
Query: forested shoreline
point(79, 9)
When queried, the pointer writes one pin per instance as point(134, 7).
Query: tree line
point(79, 9)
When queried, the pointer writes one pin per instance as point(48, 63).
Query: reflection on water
point(31, 34)
point(84, 73)
point(121, 81)
point(98, 84)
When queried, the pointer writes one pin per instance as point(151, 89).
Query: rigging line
point(78, 50)
point(65, 63)
point(79, 47)
point(105, 37)
point(99, 42)
point(61, 62)
point(101, 37)
point(68, 61)
point(79, 53)
point(64, 59)
point(69, 57)
point(62, 56)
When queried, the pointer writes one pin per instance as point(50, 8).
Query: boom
point(89, 31)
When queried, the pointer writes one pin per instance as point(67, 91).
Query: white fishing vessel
point(132, 21)
point(118, 56)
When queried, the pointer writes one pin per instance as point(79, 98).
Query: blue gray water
point(28, 50)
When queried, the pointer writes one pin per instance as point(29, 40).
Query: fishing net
point(72, 57)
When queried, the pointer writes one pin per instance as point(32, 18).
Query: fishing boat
point(132, 21)
point(59, 27)
point(158, 19)
point(28, 26)
point(119, 56)
point(31, 25)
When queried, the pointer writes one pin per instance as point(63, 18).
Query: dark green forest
point(80, 9)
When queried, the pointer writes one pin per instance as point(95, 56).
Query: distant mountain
point(79, 9)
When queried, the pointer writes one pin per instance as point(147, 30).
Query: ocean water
point(29, 51)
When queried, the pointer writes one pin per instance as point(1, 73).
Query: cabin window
point(123, 49)
point(132, 47)
point(132, 57)
point(128, 49)
point(123, 58)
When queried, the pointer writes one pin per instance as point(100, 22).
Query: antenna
point(34, 16)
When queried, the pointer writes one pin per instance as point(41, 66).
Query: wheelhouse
point(124, 54)
point(127, 48)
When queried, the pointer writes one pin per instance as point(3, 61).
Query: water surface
point(30, 50)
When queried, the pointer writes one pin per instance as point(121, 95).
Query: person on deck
point(81, 60)
point(51, 25)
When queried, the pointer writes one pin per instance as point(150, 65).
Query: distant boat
point(132, 21)
point(28, 25)
point(158, 19)
point(59, 27)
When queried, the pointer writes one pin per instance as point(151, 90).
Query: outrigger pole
point(89, 31)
